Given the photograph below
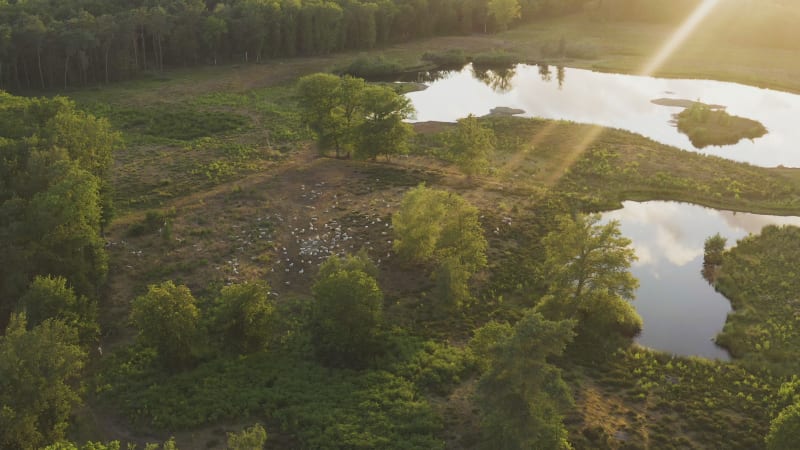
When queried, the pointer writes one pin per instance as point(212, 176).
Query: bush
point(372, 67)
point(244, 316)
point(494, 59)
point(177, 123)
point(348, 314)
point(168, 320)
point(154, 221)
point(449, 58)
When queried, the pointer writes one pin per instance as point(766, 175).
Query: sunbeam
point(680, 36)
point(675, 41)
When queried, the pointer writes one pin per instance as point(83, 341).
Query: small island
point(706, 125)
point(505, 111)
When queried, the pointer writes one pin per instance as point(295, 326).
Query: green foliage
point(54, 194)
point(347, 316)
point(320, 98)
point(83, 43)
point(373, 67)
point(486, 341)
point(154, 221)
point(521, 396)
point(65, 445)
point(181, 124)
point(716, 404)
point(38, 371)
point(449, 58)
point(168, 320)
point(784, 431)
point(51, 298)
point(434, 226)
point(504, 12)
point(349, 116)
point(383, 130)
point(359, 262)
point(434, 367)
point(321, 407)
point(587, 268)
point(759, 276)
point(245, 316)
point(495, 59)
point(471, 146)
point(253, 438)
point(706, 126)
point(713, 249)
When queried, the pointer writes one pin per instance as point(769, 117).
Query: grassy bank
point(623, 47)
point(759, 277)
point(602, 167)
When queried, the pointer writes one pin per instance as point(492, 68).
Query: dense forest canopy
point(55, 166)
point(53, 43)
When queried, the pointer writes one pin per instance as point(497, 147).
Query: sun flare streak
point(680, 36)
point(675, 41)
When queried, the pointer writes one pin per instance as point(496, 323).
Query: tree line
point(55, 166)
point(48, 44)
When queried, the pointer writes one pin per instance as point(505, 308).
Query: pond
point(682, 312)
point(618, 101)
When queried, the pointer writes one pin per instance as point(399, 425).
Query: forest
point(57, 44)
point(216, 233)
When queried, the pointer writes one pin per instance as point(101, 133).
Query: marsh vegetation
point(290, 263)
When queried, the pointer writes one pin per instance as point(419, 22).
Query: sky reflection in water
point(682, 313)
point(622, 101)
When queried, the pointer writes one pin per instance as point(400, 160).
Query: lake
point(682, 313)
point(618, 101)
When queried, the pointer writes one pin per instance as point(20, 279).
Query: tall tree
point(522, 396)
point(333, 107)
point(347, 315)
point(438, 227)
point(245, 316)
point(587, 267)
point(38, 371)
point(383, 131)
point(504, 12)
point(214, 29)
point(51, 298)
point(107, 31)
point(168, 319)
point(30, 34)
point(471, 144)
point(5, 49)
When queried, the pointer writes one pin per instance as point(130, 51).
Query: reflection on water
point(681, 312)
point(498, 79)
point(615, 100)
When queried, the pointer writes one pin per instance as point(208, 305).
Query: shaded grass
point(177, 146)
point(176, 123)
point(384, 407)
point(667, 402)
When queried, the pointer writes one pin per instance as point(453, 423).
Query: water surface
point(618, 101)
point(682, 313)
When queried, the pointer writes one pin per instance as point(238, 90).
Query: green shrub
point(372, 67)
point(449, 58)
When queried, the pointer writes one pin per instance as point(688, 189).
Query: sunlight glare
point(675, 41)
point(679, 37)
